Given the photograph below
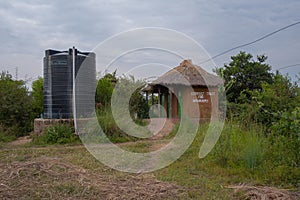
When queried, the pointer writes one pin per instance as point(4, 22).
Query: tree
point(15, 105)
point(276, 98)
point(37, 96)
point(137, 104)
point(114, 98)
point(105, 87)
point(245, 74)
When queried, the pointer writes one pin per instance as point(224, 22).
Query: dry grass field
point(70, 172)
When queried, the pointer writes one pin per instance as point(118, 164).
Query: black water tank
point(58, 83)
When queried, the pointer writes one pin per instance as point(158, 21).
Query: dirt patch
point(20, 141)
point(160, 127)
point(265, 193)
point(55, 179)
point(154, 146)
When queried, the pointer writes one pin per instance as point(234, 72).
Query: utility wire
point(288, 66)
point(249, 43)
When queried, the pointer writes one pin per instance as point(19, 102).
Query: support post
point(74, 89)
point(159, 114)
point(152, 98)
point(170, 104)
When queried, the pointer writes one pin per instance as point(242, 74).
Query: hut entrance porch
point(168, 101)
point(196, 102)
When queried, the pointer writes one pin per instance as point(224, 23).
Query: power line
point(249, 43)
point(288, 66)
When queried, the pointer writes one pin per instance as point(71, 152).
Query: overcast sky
point(29, 27)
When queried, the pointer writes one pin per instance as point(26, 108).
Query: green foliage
point(57, 134)
point(107, 122)
point(15, 105)
point(284, 150)
point(275, 98)
point(129, 87)
point(138, 107)
point(267, 105)
point(243, 154)
point(240, 147)
point(254, 94)
point(248, 152)
point(244, 112)
point(104, 91)
point(244, 73)
point(283, 159)
point(110, 128)
point(5, 135)
point(288, 124)
point(253, 153)
point(285, 137)
point(60, 134)
point(38, 97)
point(123, 88)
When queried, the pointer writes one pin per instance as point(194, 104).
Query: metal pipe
point(74, 90)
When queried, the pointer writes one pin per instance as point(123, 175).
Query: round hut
point(185, 88)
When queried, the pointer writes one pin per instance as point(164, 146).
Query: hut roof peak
point(186, 62)
point(188, 74)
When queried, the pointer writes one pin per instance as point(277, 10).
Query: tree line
point(18, 106)
point(254, 94)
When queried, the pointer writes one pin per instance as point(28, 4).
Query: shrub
point(104, 91)
point(253, 153)
point(110, 128)
point(240, 147)
point(288, 124)
point(37, 97)
point(107, 122)
point(5, 136)
point(60, 133)
point(15, 106)
point(285, 139)
point(57, 134)
point(246, 151)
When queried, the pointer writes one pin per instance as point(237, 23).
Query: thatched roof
point(188, 74)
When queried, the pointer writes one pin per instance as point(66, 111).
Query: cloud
point(31, 26)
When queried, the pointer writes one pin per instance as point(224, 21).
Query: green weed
point(57, 134)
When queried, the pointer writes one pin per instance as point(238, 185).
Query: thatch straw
point(188, 74)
